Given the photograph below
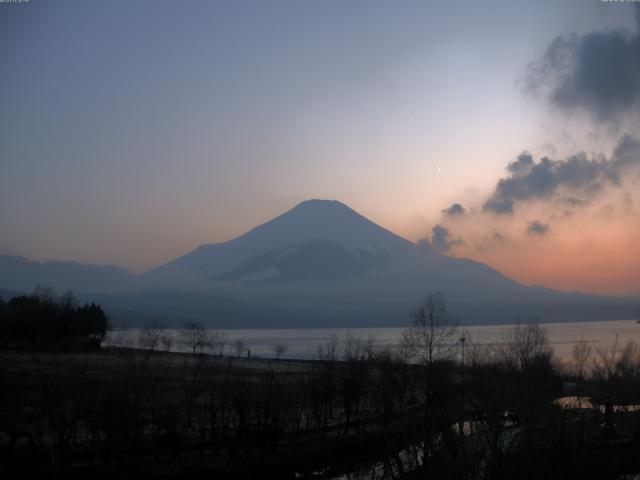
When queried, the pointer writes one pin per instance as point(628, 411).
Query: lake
point(304, 343)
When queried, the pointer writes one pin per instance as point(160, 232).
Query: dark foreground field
point(125, 413)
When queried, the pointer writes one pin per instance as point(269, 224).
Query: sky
point(133, 131)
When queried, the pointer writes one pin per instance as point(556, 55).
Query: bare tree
point(431, 340)
point(353, 379)
point(432, 336)
point(329, 351)
point(68, 299)
point(239, 347)
point(195, 336)
point(616, 376)
point(580, 358)
point(279, 349)
point(45, 294)
point(218, 342)
point(167, 342)
point(354, 348)
point(475, 352)
point(121, 339)
point(528, 358)
point(526, 343)
point(149, 337)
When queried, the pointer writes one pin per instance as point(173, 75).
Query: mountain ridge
point(320, 263)
point(306, 225)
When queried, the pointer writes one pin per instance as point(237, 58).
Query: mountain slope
point(19, 273)
point(318, 239)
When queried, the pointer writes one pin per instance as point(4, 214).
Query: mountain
point(325, 264)
point(319, 264)
point(318, 240)
point(19, 273)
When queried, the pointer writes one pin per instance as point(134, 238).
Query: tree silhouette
point(44, 320)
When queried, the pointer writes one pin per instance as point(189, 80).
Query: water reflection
point(580, 403)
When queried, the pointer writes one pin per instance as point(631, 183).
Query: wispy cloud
point(537, 228)
point(442, 239)
point(454, 210)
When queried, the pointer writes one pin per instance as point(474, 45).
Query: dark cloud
point(576, 179)
point(522, 165)
point(626, 154)
point(598, 72)
point(454, 210)
point(442, 240)
point(537, 228)
point(574, 202)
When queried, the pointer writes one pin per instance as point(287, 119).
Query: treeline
point(44, 320)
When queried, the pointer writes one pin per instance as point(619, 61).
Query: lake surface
point(304, 343)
